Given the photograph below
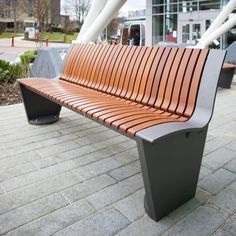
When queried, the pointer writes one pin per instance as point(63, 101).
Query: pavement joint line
point(35, 219)
point(67, 199)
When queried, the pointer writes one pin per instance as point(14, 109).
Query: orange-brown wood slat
point(140, 80)
point(157, 78)
point(133, 130)
point(165, 77)
point(187, 82)
point(130, 89)
point(179, 80)
point(122, 70)
point(146, 74)
point(195, 83)
point(128, 69)
point(171, 81)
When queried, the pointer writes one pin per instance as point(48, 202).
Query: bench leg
point(170, 171)
point(39, 110)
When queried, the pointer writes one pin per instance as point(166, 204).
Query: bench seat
point(126, 116)
point(161, 97)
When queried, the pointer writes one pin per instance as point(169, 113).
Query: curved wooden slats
point(127, 87)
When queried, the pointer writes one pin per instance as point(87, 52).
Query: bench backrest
point(164, 78)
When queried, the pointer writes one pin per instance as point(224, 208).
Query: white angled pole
point(217, 22)
point(102, 20)
point(221, 30)
point(94, 11)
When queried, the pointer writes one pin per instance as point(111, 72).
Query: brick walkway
point(79, 178)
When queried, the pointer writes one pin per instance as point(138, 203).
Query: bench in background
point(161, 97)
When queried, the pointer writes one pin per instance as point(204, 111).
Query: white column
point(218, 21)
point(102, 20)
point(148, 28)
point(94, 11)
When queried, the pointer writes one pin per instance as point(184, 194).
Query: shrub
point(10, 72)
point(28, 57)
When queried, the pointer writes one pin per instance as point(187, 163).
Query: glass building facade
point(179, 21)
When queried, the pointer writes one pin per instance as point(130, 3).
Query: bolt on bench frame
point(170, 152)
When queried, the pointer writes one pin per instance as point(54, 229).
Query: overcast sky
point(129, 5)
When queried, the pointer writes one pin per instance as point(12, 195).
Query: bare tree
point(80, 9)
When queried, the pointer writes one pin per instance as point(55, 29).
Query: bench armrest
point(156, 132)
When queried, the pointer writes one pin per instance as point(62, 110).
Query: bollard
point(47, 42)
point(12, 40)
point(37, 39)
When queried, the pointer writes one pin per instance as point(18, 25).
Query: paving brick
point(231, 166)
point(203, 221)
point(36, 191)
point(126, 171)
point(217, 143)
point(23, 149)
point(217, 181)
point(27, 213)
point(56, 149)
point(204, 171)
point(107, 222)
point(56, 221)
point(226, 199)
point(132, 206)
point(32, 177)
point(219, 158)
point(127, 156)
point(98, 167)
point(116, 192)
point(36, 138)
point(19, 159)
point(232, 145)
point(146, 226)
point(88, 187)
point(187, 208)
point(16, 171)
point(230, 227)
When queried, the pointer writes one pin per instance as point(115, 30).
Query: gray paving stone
point(217, 181)
point(88, 187)
point(226, 199)
point(187, 208)
point(56, 221)
point(219, 158)
point(132, 206)
point(232, 145)
point(16, 171)
point(1, 190)
point(217, 143)
point(22, 215)
point(203, 221)
point(116, 192)
point(23, 149)
point(32, 177)
point(36, 191)
point(19, 159)
point(231, 166)
point(107, 222)
point(37, 138)
point(56, 149)
point(204, 171)
point(146, 226)
point(230, 227)
point(98, 167)
point(128, 156)
point(126, 171)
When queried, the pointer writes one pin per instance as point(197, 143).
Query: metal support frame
point(170, 170)
point(39, 110)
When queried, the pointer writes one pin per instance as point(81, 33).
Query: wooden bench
point(161, 97)
point(227, 75)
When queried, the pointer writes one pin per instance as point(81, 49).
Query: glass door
point(191, 32)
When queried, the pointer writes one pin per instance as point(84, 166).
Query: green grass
point(9, 35)
point(57, 37)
